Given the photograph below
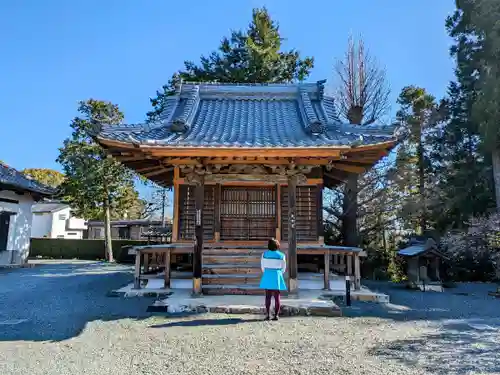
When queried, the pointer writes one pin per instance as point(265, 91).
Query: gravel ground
point(56, 319)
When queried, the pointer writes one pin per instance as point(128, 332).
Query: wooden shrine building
point(247, 162)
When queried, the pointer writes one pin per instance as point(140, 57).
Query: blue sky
point(57, 52)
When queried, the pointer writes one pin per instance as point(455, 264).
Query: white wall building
point(18, 193)
point(54, 220)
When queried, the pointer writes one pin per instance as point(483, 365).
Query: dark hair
point(273, 244)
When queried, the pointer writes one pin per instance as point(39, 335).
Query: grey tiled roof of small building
point(413, 250)
point(19, 181)
point(233, 115)
point(48, 207)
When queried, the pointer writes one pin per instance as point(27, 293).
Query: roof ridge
point(250, 84)
point(312, 122)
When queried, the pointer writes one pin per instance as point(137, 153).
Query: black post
point(348, 290)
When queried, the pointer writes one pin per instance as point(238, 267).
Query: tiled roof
point(19, 181)
point(233, 115)
point(413, 250)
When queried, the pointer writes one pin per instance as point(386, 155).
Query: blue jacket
point(273, 264)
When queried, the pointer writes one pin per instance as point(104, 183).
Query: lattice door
point(248, 213)
point(307, 213)
point(187, 212)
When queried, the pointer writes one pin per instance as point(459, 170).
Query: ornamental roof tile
point(236, 115)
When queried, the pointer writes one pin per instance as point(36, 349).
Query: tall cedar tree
point(484, 27)
point(463, 163)
point(362, 97)
point(250, 56)
point(95, 185)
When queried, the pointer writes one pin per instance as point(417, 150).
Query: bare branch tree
point(361, 97)
point(362, 91)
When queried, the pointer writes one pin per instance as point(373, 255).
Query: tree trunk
point(350, 212)
point(421, 188)
point(107, 231)
point(495, 158)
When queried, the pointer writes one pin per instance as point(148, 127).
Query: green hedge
point(80, 249)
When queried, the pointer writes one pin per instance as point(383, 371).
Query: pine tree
point(95, 185)
point(418, 115)
point(250, 56)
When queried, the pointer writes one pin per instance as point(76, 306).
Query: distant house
point(124, 229)
point(55, 220)
point(18, 193)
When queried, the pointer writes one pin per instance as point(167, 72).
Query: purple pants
point(277, 301)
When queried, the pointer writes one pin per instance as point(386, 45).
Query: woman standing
point(273, 264)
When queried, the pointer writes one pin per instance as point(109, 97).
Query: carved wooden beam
point(272, 178)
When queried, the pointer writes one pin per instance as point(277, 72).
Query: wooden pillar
point(292, 234)
point(198, 241)
point(167, 269)
point(319, 206)
point(146, 262)
point(176, 208)
point(137, 272)
point(435, 264)
point(218, 192)
point(349, 265)
point(278, 211)
point(326, 275)
point(413, 271)
point(357, 273)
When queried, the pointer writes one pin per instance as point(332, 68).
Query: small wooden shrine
point(423, 261)
point(248, 162)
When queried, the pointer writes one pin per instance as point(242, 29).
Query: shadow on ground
point(467, 300)
point(206, 322)
point(55, 301)
point(462, 347)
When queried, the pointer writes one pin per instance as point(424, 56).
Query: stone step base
point(494, 294)
point(326, 311)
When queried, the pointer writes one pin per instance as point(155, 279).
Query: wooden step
point(232, 289)
point(234, 251)
point(235, 289)
point(249, 279)
point(230, 269)
point(230, 259)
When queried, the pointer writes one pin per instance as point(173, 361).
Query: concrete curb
point(115, 293)
point(17, 266)
point(334, 311)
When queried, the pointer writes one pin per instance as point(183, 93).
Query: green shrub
point(396, 269)
point(61, 248)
